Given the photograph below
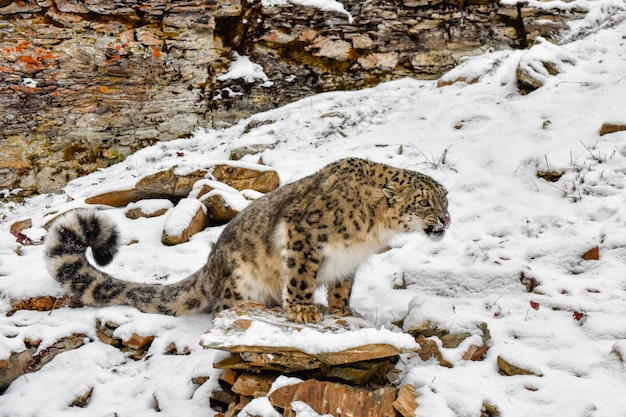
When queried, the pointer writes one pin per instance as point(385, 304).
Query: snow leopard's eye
point(424, 203)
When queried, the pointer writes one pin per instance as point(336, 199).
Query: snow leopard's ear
point(391, 194)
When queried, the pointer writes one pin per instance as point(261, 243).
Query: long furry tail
point(65, 249)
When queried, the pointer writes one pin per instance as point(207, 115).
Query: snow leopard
point(312, 233)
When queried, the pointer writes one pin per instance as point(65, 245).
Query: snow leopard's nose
point(445, 220)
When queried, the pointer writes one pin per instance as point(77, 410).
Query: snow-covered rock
point(185, 220)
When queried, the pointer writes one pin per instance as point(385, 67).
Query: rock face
point(84, 83)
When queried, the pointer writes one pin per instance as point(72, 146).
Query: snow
point(326, 5)
point(242, 67)
point(543, 51)
point(302, 409)
point(29, 82)
point(259, 407)
point(549, 4)
point(151, 206)
point(313, 339)
point(284, 381)
point(485, 142)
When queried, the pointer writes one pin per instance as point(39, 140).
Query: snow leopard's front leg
point(301, 262)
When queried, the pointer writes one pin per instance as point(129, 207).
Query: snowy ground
point(485, 142)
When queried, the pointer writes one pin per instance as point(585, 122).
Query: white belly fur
point(342, 261)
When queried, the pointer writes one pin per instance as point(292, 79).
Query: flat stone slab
point(254, 328)
point(349, 349)
point(339, 399)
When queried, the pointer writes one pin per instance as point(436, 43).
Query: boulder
point(245, 178)
point(119, 198)
point(168, 184)
point(185, 220)
point(218, 210)
point(148, 208)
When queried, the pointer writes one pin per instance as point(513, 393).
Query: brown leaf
point(592, 254)
point(612, 128)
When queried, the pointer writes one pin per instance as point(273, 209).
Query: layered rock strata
point(84, 83)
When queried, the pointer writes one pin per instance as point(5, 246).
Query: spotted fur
point(310, 233)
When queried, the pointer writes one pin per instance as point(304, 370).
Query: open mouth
point(435, 232)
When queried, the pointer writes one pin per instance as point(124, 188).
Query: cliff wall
point(84, 83)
